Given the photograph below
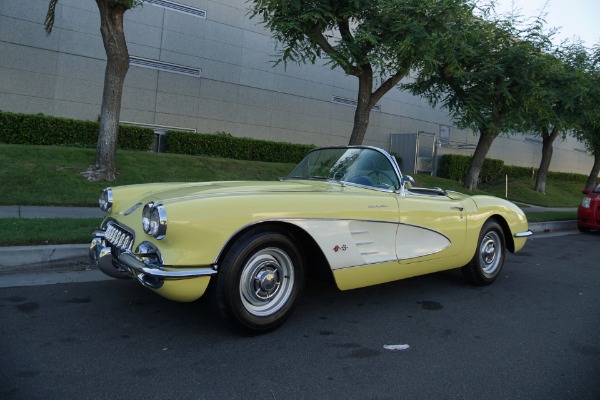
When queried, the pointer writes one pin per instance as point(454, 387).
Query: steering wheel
point(378, 181)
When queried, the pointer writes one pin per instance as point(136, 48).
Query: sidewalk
point(17, 258)
point(49, 212)
point(532, 208)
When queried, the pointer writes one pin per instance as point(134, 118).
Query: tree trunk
point(547, 150)
point(363, 108)
point(591, 181)
point(486, 139)
point(117, 64)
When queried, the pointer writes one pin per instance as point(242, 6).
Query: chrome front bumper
point(146, 265)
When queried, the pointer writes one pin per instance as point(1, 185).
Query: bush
point(226, 146)
point(45, 130)
point(514, 172)
point(455, 167)
point(9, 127)
point(491, 170)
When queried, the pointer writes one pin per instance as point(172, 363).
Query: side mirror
point(586, 191)
point(408, 182)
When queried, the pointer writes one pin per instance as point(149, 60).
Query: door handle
point(461, 209)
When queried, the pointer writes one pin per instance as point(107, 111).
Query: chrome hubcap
point(266, 282)
point(489, 253)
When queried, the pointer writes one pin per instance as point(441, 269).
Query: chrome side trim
point(523, 234)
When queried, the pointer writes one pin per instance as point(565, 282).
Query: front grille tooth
point(111, 233)
point(119, 237)
point(119, 241)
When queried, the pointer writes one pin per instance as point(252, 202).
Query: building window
point(171, 5)
point(163, 66)
point(350, 102)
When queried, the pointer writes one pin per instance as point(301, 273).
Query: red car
point(588, 213)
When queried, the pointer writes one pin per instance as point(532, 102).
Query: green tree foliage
point(552, 108)
point(588, 130)
point(377, 41)
point(117, 64)
point(487, 82)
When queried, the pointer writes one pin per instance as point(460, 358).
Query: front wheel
point(260, 281)
point(488, 260)
point(583, 229)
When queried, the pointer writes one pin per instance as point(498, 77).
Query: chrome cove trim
point(290, 221)
point(397, 258)
point(523, 234)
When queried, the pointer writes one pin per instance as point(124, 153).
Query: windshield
point(359, 166)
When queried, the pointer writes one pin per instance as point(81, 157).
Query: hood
point(168, 192)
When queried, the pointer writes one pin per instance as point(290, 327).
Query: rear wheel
point(488, 260)
point(260, 281)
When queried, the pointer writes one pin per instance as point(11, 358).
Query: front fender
point(511, 217)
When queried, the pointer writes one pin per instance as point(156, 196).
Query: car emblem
point(340, 248)
point(132, 209)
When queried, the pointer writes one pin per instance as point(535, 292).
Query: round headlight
point(154, 220)
point(106, 200)
point(146, 217)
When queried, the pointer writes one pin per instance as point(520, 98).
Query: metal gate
point(417, 151)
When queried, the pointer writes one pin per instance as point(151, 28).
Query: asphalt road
point(534, 334)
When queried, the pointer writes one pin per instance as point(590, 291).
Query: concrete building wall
point(237, 88)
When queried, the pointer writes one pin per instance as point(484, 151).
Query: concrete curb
point(19, 258)
point(33, 258)
point(553, 226)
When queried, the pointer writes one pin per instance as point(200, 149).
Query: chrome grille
point(118, 237)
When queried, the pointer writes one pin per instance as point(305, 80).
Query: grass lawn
point(544, 216)
point(49, 175)
point(38, 231)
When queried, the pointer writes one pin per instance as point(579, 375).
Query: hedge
point(226, 146)
point(455, 167)
point(45, 130)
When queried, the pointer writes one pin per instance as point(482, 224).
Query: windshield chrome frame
point(391, 159)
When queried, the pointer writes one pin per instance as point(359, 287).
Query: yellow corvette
point(346, 210)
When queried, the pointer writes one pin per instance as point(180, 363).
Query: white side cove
point(351, 243)
point(414, 241)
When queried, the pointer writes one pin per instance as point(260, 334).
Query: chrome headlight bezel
point(154, 220)
point(105, 201)
point(586, 202)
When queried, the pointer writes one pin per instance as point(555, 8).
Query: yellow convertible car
point(346, 210)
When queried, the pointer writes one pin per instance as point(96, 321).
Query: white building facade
point(205, 66)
